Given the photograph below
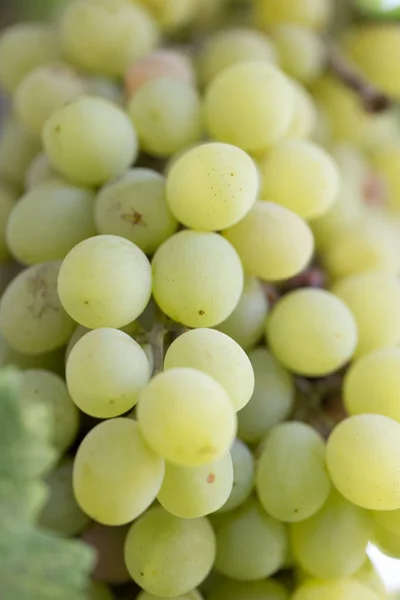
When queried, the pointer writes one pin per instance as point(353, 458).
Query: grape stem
point(156, 338)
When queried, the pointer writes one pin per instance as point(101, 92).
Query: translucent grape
point(190, 596)
point(340, 589)
point(250, 590)
point(160, 63)
point(314, 14)
point(18, 147)
point(305, 117)
point(243, 476)
point(99, 591)
point(387, 541)
point(109, 543)
point(172, 14)
point(301, 52)
point(105, 87)
point(39, 171)
point(8, 198)
point(49, 361)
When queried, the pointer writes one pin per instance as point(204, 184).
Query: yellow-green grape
point(229, 47)
point(24, 47)
point(105, 281)
point(273, 242)
point(369, 576)
point(291, 481)
point(18, 147)
point(135, 208)
point(49, 221)
point(339, 589)
point(301, 51)
point(90, 140)
point(312, 332)
point(177, 108)
point(243, 476)
point(32, 319)
point(107, 36)
point(61, 512)
point(105, 87)
point(109, 545)
point(169, 556)
point(386, 161)
point(172, 14)
point(305, 116)
point(387, 541)
point(99, 591)
point(210, 14)
point(250, 105)
point(249, 590)
point(388, 520)
point(39, 171)
point(78, 334)
point(190, 596)
point(263, 538)
point(226, 190)
point(8, 198)
point(197, 278)
point(362, 461)
point(272, 400)
point(219, 356)
point(50, 361)
point(314, 14)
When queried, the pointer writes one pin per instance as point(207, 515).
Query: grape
point(166, 114)
point(18, 147)
point(370, 577)
point(314, 14)
point(134, 207)
point(187, 417)
point(99, 591)
point(116, 475)
point(32, 319)
point(207, 279)
point(90, 140)
point(105, 87)
point(217, 355)
point(169, 556)
point(249, 590)
point(250, 105)
point(172, 14)
point(243, 476)
point(301, 52)
point(362, 461)
point(388, 541)
point(49, 221)
point(108, 542)
point(105, 281)
point(39, 171)
point(386, 161)
point(273, 242)
point(190, 596)
point(340, 589)
point(227, 187)
point(305, 117)
point(50, 361)
point(316, 320)
point(8, 198)
point(106, 36)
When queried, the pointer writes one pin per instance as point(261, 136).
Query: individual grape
point(190, 596)
point(106, 36)
point(273, 242)
point(314, 14)
point(105, 281)
point(135, 208)
point(32, 319)
point(305, 117)
point(301, 51)
point(387, 541)
point(187, 417)
point(116, 475)
point(318, 321)
point(273, 397)
point(8, 198)
point(172, 14)
point(219, 356)
point(386, 161)
point(250, 105)
point(50, 361)
point(249, 590)
point(49, 221)
point(99, 591)
point(243, 476)
point(167, 116)
point(90, 140)
point(78, 334)
point(362, 461)
point(39, 171)
point(108, 542)
point(369, 576)
point(105, 87)
point(18, 148)
point(167, 555)
point(23, 47)
point(227, 187)
point(339, 589)
point(207, 278)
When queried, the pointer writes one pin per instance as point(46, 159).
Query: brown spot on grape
point(201, 312)
point(134, 217)
point(211, 478)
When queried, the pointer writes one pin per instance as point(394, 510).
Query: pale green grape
point(386, 161)
point(314, 14)
point(135, 208)
point(187, 417)
point(50, 361)
point(79, 332)
point(369, 576)
point(272, 400)
point(190, 596)
point(273, 242)
point(160, 63)
point(362, 459)
point(217, 355)
point(109, 543)
point(8, 198)
point(99, 591)
point(32, 319)
point(292, 482)
point(49, 221)
point(312, 332)
point(226, 187)
point(250, 105)
point(104, 87)
point(105, 281)
point(197, 278)
point(339, 589)
point(387, 541)
point(249, 590)
point(169, 556)
point(388, 519)
point(167, 116)
point(107, 36)
point(18, 147)
point(172, 14)
point(243, 476)
point(116, 475)
point(39, 171)
point(90, 140)
point(305, 116)
point(301, 51)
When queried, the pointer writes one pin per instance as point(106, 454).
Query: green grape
point(388, 519)
point(49, 221)
point(291, 480)
point(273, 242)
point(90, 140)
point(109, 543)
point(39, 171)
point(105, 281)
point(193, 492)
point(134, 207)
point(301, 51)
point(172, 14)
point(190, 596)
point(50, 361)
point(387, 541)
point(243, 476)
point(106, 370)
point(251, 545)
point(187, 417)
point(18, 147)
point(339, 589)
point(61, 512)
point(249, 590)
point(116, 475)
point(8, 198)
point(318, 321)
point(169, 556)
point(99, 591)
point(250, 105)
point(314, 14)
point(273, 397)
point(386, 161)
point(104, 87)
point(79, 332)
point(23, 47)
point(178, 121)
point(32, 319)
point(107, 36)
point(369, 576)
point(305, 117)
point(217, 355)
point(207, 278)
point(226, 189)
point(362, 461)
